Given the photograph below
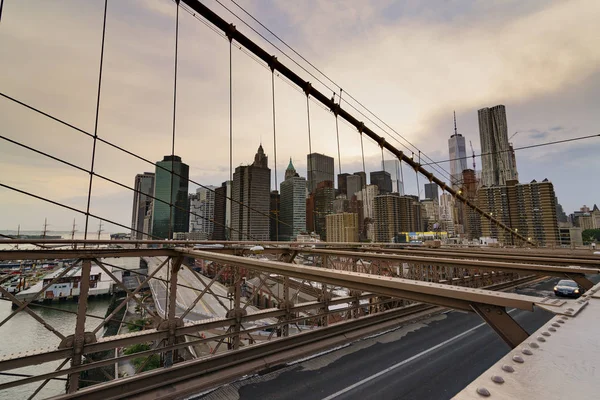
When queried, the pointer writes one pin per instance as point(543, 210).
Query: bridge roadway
point(431, 359)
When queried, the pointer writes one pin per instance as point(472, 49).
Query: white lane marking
point(401, 363)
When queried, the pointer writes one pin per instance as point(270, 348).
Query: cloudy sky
point(410, 62)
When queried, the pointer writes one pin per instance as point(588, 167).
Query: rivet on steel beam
point(541, 338)
point(497, 379)
point(483, 392)
point(527, 352)
point(554, 324)
point(518, 358)
point(560, 321)
point(534, 345)
point(552, 329)
point(507, 368)
point(570, 309)
point(565, 318)
point(568, 312)
point(546, 333)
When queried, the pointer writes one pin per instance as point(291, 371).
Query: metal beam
point(506, 327)
point(548, 270)
point(44, 254)
point(432, 293)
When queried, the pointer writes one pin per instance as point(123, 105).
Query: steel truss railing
point(243, 326)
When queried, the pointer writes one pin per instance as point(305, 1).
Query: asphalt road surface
point(432, 359)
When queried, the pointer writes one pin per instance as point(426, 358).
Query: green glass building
point(172, 189)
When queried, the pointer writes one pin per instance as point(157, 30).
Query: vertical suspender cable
point(87, 210)
point(277, 206)
point(401, 177)
point(171, 219)
point(309, 166)
point(1, 7)
point(337, 133)
point(417, 174)
point(230, 114)
point(228, 230)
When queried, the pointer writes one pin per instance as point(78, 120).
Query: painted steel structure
point(333, 269)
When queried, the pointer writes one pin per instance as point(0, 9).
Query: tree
point(591, 235)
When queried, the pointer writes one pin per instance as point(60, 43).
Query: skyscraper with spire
point(458, 156)
point(251, 199)
point(293, 204)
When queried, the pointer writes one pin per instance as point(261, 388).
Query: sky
point(411, 63)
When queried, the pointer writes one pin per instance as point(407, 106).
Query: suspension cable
point(119, 148)
point(275, 152)
point(171, 222)
point(89, 196)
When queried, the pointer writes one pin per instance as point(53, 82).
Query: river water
point(23, 333)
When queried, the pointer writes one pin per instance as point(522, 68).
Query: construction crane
point(473, 152)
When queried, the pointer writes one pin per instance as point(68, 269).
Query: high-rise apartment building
point(142, 204)
point(170, 210)
point(320, 169)
point(529, 209)
point(202, 211)
point(498, 162)
point(386, 217)
point(471, 218)
point(383, 180)
point(431, 213)
point(367, 196)
point(251, 200)
point(458, 156)
point(394, 214)
point(293, 204)
point(447, 213)
point(342, 227)
point(432, 191)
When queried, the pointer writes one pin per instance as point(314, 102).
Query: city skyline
point(546, 101)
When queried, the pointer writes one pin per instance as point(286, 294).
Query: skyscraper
point(432, 191)
point(320, 169)
point(142, 204)
point(202, 211)
point(458, 156)
point(293, 204)
point(353, 185)
point(275, 224)
point(343, 184)
point(363, 178)
point(171, 188)
point(251, 200)
point(393, 167)
point(498, 164)
point(220, 231)
point(383, 180)
point(323, 205)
